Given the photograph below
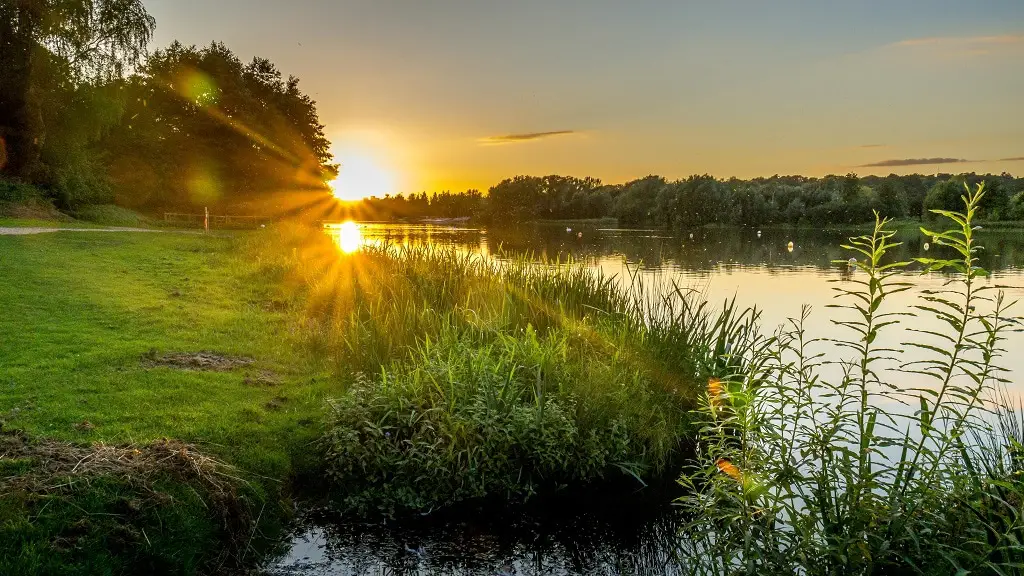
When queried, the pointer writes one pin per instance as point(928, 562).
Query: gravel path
point(31, 230)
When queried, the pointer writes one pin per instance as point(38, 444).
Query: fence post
point(206, 219)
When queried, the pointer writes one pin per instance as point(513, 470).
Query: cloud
point(964, 41)
point(871, 146)
point(1015, 159)
point(913, 162)
point(524, 137)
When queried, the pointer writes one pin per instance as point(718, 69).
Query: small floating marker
point(852, 262)
point(691, 235)
point(758, 233)
point(789, 246)
point(568, 230)
point(579, 234)
point(927, 246)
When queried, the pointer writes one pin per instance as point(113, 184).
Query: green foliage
point(14, 191)
point(203, 129)
point(802, 470)
point(52, 53)
point(110, 215)
point(523, 414)
point(702, 200)
point(493, 378)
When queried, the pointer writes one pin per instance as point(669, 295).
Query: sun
point(361, 176)
point(349, 237)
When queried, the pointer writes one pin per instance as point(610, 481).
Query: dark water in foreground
point(601, 534)
point(628, 533)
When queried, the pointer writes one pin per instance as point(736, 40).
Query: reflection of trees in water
point(709, 247)
point(584, 537)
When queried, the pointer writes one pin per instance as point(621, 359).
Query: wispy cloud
point(963, 45)
point(871, 146)
point(1015, 159)
point(913, 162)
point(1003, 39)
point(524, 137)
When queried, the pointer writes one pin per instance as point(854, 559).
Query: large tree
point(83, 41)
point(201, 128)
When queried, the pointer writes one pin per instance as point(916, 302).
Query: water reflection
point(582, 534)
point(347, 235)
point(654, 249)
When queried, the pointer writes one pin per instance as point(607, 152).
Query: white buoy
point(758, 233)
point(926, 246)
point(568, 230)
point(789, 246)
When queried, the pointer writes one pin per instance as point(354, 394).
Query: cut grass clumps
point(70, 509)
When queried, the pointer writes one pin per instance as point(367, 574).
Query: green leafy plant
point(807, 465)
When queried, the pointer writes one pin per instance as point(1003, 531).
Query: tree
point(204, 129)
point(945, 195)
point(892, 200)
point(85, 40)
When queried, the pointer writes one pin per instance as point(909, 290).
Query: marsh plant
point(462, 377)
point(872, 464)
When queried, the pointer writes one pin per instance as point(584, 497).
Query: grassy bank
point(471, 377)
point(273, 355)
point(95, 338)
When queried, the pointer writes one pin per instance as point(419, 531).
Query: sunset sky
point(451, 94)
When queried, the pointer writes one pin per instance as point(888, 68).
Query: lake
point(630, 531)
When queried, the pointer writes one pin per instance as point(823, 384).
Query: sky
point(454, 94)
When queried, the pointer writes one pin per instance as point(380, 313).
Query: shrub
point(110, 215)
point(14, 191)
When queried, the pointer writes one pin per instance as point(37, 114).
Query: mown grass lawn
point(83, 311)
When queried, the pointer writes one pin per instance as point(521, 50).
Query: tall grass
point(811, 466)
point(469, 377)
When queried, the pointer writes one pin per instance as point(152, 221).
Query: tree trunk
point(18, 122)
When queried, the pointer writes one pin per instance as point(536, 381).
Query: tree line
point(89, 116)
point(702, 199)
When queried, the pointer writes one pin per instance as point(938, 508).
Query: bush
point(13, 191)
point(110, 215)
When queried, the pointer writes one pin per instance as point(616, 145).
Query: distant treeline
point(700, 200)
point(89, 116)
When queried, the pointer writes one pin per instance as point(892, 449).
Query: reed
point(812, 465)
point(470, 377)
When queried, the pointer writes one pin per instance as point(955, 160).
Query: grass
point(45, 223)
point(82, 315)
point(474, 378)
point(534, 378)
point(111, 215)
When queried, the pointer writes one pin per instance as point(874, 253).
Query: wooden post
point(206, 219)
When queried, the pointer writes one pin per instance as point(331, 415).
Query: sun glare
point(349, 237)
point(360, 177)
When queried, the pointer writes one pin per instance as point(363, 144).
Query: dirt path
point(40, 230)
